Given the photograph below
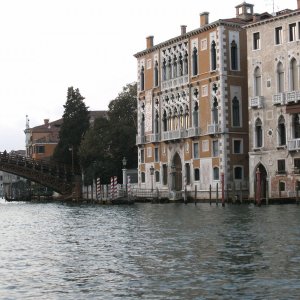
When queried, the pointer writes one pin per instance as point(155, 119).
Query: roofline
point(217, 23)
point(273, 19)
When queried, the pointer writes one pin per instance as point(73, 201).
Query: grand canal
point(149, 251)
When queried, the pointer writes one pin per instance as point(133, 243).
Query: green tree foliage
point(75, 124)
point(109, 140)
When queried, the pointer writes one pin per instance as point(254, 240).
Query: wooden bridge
point(56, 176)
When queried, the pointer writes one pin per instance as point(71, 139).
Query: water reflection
point(145, 251)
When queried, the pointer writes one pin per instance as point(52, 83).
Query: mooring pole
point(223, 190)
point(258, 187)
point(210, 194)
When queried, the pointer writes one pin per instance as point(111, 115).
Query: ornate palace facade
point(193, 107)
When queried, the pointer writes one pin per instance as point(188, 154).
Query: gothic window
point(215, 117)
point(156, 74)
point(186, 65)
point(281, 131)
point(196, 174)
point(238, 173)
point(143, 125)
point(216, 173)
point(169, 69)
point(294, 79)
point(164, 70)
point(195, 61)
point(174, 66)
point(213, 55)
point(236, 112)
point(280, 78)
point(296, 126)
point(157, 179)
point(156, 122)
point(234, 56)
point(258, 133)
point(142, 79)
point(257, 82)
point(196, 115)
point(180, 65)
point(165, 121)
point(188, 173)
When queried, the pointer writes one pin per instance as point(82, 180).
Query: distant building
point(41, 140)
point(193, 107)
point(274, 95)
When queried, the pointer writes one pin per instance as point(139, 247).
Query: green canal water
point(149, 251)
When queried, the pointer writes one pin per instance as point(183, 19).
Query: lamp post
point(151, 173)
point(124, 170)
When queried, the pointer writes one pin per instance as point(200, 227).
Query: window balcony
point(256, 102)
point(294, 145)
point(140, 139)
point(279, 99)
point(175, 82)
point(293, 96)
point(174, 134)
point(212, 128)
point(195, 131)
point(154, 138)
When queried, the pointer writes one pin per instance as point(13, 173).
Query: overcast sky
point(48, 45)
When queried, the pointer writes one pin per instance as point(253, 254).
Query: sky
point(47, 46)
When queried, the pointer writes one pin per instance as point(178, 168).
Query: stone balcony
point(293, 96)
point(256, 102)
point(294, 145)
point(174, 134)
point(213, 128)
point(175, 82)
point(194, 131)
point(279, 99)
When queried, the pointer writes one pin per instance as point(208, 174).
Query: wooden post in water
point(217, 194)
point(227, 193)
point(241, 192)
point(195, 193)
point(297, 192)
point(223, 190)
point(210, 194)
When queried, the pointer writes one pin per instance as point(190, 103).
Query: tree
point(109, 140)
point(75, 124)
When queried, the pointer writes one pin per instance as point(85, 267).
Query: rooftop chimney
point(149, 41)
point(204, 18)
point(298, 4)
point(46, 121)
point(183, 28)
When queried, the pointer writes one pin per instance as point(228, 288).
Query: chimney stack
point(298, 4)
point(183, 28)
point(204, 18)
point(46, 121)
point(149, 41)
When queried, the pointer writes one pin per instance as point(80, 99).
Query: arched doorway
point(177, 176)
point(263, 181)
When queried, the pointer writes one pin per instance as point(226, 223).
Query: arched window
point(281, 131)
point(238, 173)
point(142, 78)
point(258, 133)
point(257, 82)
point(156, 127)
point(157, 177)
point(195, 61)
point(294, 81)
point(236, 112)
point(174, 66)
point(156, 74)
point(215, 117)
point(143, 125)
point(180, 65)
point(216, 175)
point(186, 64)
point(296, 126)
point(213, 55)
point(143, 177)
point(280, 78)
point(234, 56)
point(165, 121)
point(169, 68)
point(195, 115)
point(164, 70)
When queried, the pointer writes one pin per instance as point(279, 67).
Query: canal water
point(149, 251)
